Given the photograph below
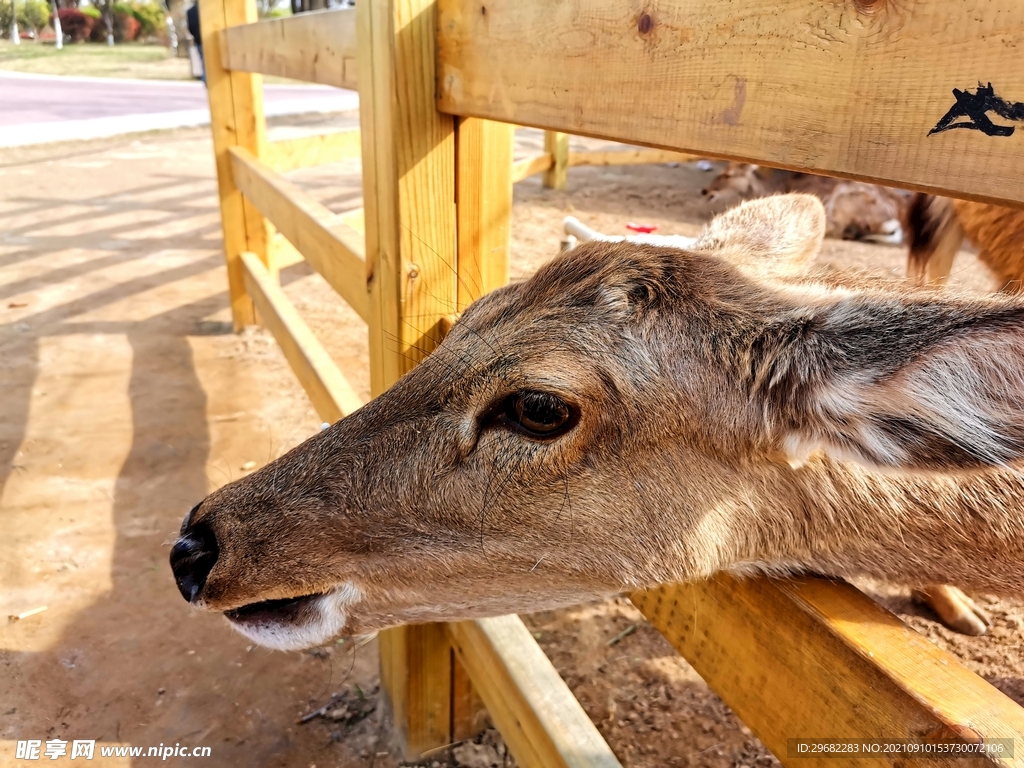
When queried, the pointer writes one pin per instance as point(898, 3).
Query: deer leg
point(955, 609)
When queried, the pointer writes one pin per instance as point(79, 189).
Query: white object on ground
point(575, 228)
point(892, 234)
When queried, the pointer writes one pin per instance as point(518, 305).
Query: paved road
point(32, 106)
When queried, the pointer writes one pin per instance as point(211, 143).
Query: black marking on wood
point(972, 109)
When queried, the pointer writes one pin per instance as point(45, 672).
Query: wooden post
point(557, 176)
point(483, 198)
point(236, 119)
point(483, 202)
point(408, 151)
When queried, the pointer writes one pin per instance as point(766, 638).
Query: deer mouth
point(296, 622)
point(287, 610)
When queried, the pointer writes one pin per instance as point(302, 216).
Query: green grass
point(135, 60)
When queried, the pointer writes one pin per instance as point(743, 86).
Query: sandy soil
point(125, 398)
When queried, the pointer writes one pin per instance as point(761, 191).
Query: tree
point(15, 37)
point(177, 8)
point(57, 31)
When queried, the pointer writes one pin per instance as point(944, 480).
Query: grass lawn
point(137, 60)
point(142, 61)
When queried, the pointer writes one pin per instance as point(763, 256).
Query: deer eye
point(538, 414)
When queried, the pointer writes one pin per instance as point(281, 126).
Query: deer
point(937, 227)
point(633, 415)
point(853, 210)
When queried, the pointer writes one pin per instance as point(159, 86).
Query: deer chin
point(298, 622)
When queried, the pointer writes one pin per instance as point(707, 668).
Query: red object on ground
point(643, 229)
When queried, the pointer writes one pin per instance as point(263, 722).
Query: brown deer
point(937, 226)
point(853, 210)
point(634, 415)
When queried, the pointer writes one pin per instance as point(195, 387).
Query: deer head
point(735, 182)
point(628, 416)
point(858, 211)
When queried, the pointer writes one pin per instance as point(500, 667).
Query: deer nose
point(193, 557)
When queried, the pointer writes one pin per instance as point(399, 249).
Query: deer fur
point(853, 210)
point(937, 226)
point(721, 412)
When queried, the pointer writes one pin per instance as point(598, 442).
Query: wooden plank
point(318, 47)
point(844, 667)
point(539, 718)
point(288, 154)
point(483, 202)
point(844, 88)
point(409, 189)
point(236, 119)
point(356, 218)
point(328, 389)
point(282, 255)
point(633, 156)
point(531, 165)
point(557, 145)
point(409, 198)
point(332, 248)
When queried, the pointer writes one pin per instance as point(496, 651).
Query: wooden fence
point(850, 88)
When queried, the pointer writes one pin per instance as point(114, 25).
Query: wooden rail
point(630, 156)
point(328, 389)
point(849, 88)
point(845, 667)
point(318, 47)
point(538, 716)
point(531, 166)
point(288, 154)
point(332, 248)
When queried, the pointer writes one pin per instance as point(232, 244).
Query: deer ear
point(774, 236)
point(917, 384)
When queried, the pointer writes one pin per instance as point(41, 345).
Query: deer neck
point(842, 519)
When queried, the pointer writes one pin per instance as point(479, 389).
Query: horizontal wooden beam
point(633, 156)
point(328, 389)
point(854, 88)
point(318, 47)
point(539, 718)
point(810, 658)
point(540, 163)
point(531, 166)
point(288, 154)
point(332, 248)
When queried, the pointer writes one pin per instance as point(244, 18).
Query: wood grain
point(810, 658)
point(483, 202)
point(332, 248)
point(318, 47)
point(846, 87)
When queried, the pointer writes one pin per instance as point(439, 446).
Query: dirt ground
point(124, 398)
